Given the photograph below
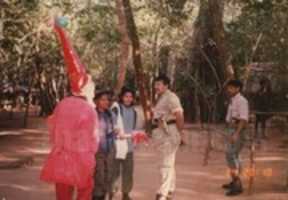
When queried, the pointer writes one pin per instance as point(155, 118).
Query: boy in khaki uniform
point(168, 123)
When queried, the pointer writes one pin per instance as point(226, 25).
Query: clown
point(72, 128)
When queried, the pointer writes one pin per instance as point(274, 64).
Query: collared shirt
point(238, 109)
point(167, 105)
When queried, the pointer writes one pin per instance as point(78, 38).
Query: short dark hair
point(164, 79)
point(124, 91)
point(235, 83)
point(102, 93)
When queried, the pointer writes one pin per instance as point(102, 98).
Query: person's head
point(233, 87)
point(127, 97)
point(102, 100)
point(161, 84)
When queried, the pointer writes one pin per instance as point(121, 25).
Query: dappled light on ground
point(194, 181)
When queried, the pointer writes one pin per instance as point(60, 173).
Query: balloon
point(62, 21)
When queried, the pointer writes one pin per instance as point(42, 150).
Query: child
point(106, 153)
point(237, 119)
point(124, 167)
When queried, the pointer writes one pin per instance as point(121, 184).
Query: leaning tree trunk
point(136, 53)
point(124, 45)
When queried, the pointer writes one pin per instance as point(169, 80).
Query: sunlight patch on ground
point(16, 186)
point(202, 174)
point(37, 150)
point(271, 158)
point(4, 133)
point(37, 131)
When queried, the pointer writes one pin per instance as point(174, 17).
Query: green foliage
point(263, 20)
point(161, 24)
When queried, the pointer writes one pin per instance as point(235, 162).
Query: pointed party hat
point(75, 69)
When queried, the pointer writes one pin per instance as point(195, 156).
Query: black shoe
point(126, 197)
point(234, 192)
point(158, 196)
point(170, 196)
point(236, 189)
point(228, 185)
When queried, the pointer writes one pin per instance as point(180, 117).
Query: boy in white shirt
point(237, 119)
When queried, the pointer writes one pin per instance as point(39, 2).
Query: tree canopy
point(253, 31)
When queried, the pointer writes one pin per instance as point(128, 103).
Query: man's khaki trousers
point(167, 142)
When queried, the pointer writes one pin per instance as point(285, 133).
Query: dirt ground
point(194, 181)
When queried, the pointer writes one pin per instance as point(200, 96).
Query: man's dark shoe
point(228, 185)
point(160, 197)
point(235, 190)
point(126, 197)
point(170, 196)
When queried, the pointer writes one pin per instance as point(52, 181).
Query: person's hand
point(122, 136)
point(116, 131)
point(183, 141)
point(161, 123)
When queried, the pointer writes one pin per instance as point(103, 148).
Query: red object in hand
point(140, 137)
point(75, 69)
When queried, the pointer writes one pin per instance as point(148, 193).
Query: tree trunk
point(164, 55)
point(26, 115)
point(124, 46)
point(209, 54)
point(136, 53)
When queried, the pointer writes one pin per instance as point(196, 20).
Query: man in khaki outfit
point(168, 123)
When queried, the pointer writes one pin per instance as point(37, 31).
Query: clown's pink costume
point(72, 128)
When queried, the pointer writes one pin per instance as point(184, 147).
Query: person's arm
point(180, 125)
point(241, 126)
point(177, 110)
point(179, 120)
point(124, 136)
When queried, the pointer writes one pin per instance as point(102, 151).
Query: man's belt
point(154, 126)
